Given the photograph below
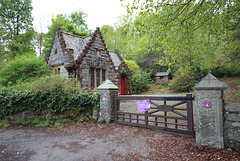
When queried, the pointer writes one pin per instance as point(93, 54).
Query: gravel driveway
point(84, 142)
point(93, 141)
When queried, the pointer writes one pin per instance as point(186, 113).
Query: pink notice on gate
point(143, 105)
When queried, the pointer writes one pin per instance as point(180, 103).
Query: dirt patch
point(231, 93)
point(181, 148)
point(13, 153)
point(93, 141)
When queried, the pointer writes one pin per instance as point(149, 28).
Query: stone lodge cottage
point(88, 60)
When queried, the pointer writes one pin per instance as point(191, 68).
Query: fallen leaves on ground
point(162, 145)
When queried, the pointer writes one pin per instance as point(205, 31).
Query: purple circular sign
point(207, 105)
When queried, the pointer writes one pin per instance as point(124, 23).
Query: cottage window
point(97, 76)
point(103, 75)
point(57, 70)
point(92, 78)
point(161, 77)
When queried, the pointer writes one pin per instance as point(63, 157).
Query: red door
point(123, 85)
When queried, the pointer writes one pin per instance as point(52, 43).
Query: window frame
point(98, 77)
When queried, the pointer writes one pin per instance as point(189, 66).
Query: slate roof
point(118, 61)
point(75, 42)
point(162, 74)
point(115, 58)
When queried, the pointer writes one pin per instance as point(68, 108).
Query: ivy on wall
point(56, 102)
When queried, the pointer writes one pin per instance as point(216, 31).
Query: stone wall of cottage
point(56, 57)
point(96, 57)
point(59, 58)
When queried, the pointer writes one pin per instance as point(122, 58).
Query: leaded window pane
point(98, 77)
point(92, 78)
point(103, 75)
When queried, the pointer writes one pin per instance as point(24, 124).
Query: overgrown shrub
point(132, 65)
point(199, 75)
point(22, 69)
point(163, 83)
point(180, 81)
point(140, 82)
point(49, 83)
point(56, 102)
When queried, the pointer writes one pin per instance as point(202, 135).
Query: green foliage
point(198, 75)
point(108, 34)
point(73, 24)
point(140, 81)
point(23, 68)
point(78, 19)
point(44, 123)
point(36, 121)
point(150, 63)
point(202, 34)
point(5, 124)
point(49, 83)
point(164, 83)
point(39, 38)
point(83, 118)
point(41, 123)
point(17, 20)
point(120, 38)
point(3, 56)
point(56, 102)
point(180, 81)
point(58, 126)
point(23, 122)
point(132, 65)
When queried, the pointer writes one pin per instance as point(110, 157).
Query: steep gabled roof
point(71, 41)
point(115, 58)
point(77, 43)
point(118, 61)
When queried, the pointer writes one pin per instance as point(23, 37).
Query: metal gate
point(171, 113)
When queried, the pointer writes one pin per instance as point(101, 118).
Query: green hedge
point(56, 102)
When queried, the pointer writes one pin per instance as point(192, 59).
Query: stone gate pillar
point(107, 92)
point(209, 111)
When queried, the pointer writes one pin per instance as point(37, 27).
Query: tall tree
point(109, 36)
point(74, 24)
point(192, 32)
point(17, 20)
point(39, 42)
point(2, 47)
point(121, 38)
point(78, 19)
